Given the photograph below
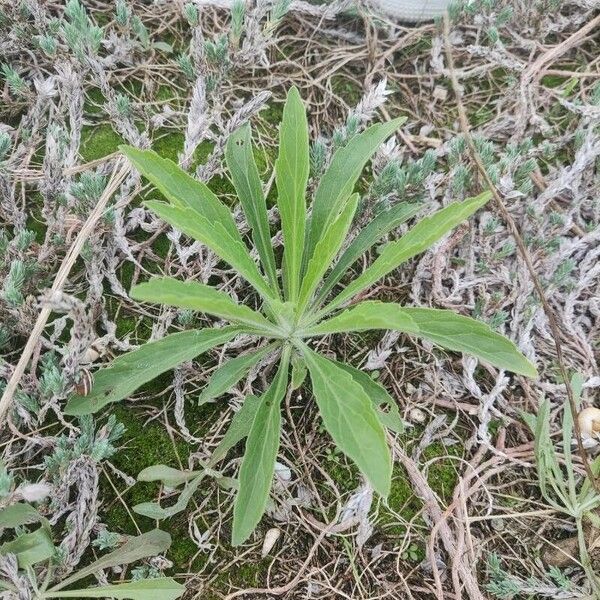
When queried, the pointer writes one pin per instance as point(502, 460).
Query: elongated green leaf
point(227, 375)
point(30, 548)
point(385, 405)
point(130, 371)
point(154, 510)
point(238, 429)
point(380, 226)
point(142, 546)
point(18, 514)
point(325, 251)
point(200, 297)
point(244, 174)
point(217, 238)
point(291, 172)
point(258, 464)
point(349, 417)
point(341, 176)
point(168, 475)
point(180, 189)
point(423, 235)
point(161, 588)
point(442, 327)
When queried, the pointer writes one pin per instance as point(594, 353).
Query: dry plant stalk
point(119, 173)
point(465, 128)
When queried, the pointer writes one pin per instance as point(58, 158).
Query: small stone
point(416, 415)
point(440, 93)
point(270, 540)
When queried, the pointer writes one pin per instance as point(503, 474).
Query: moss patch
point(98, 141)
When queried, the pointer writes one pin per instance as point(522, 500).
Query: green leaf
point(423, 235)
point(244, 174)
point(258, 464)
point(130, 371)
point(142, 546)
point(171, 477)
point(380, 226)
point(19, 514)
point(227, 375)
point(349, 417)
point(200, 297)
point(238, 429)
point(180, 189)
point(154, 510)
point(30, 548)
point(291, 171)
point(299, 371)
point(385, 405)
point(339, 180)
point(212, 234)
point(325, 251)
point(442, 327)
point(161, 588)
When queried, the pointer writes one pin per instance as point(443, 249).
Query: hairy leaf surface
point(130, 371)
point(387, 409)
point(325, 251)
point(30, 548)
point(380, 226)
point(442, 327)
point(423, 235)
point(181, 189)
point(228, 374)
point(258, 464)
point(198, 296)
point(349, 417)
point(341, 176)
point(147, 544)
point(217, 238)
point(291, 172)
point(244, 174)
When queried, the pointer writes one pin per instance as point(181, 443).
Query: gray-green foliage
point(36, 547)
point(29, 538)
point(560, 486)
point(79, 31)
point(296, 304)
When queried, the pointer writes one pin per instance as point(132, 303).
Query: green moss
point(165, 93)
point(94, 101)
point(442, 474)
point(35, 219)
point(344, 473)
point(168, 144)
point(401, 501)
point(347, 89)
point(143, 445)
point(242, 575)
point(98, 141)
